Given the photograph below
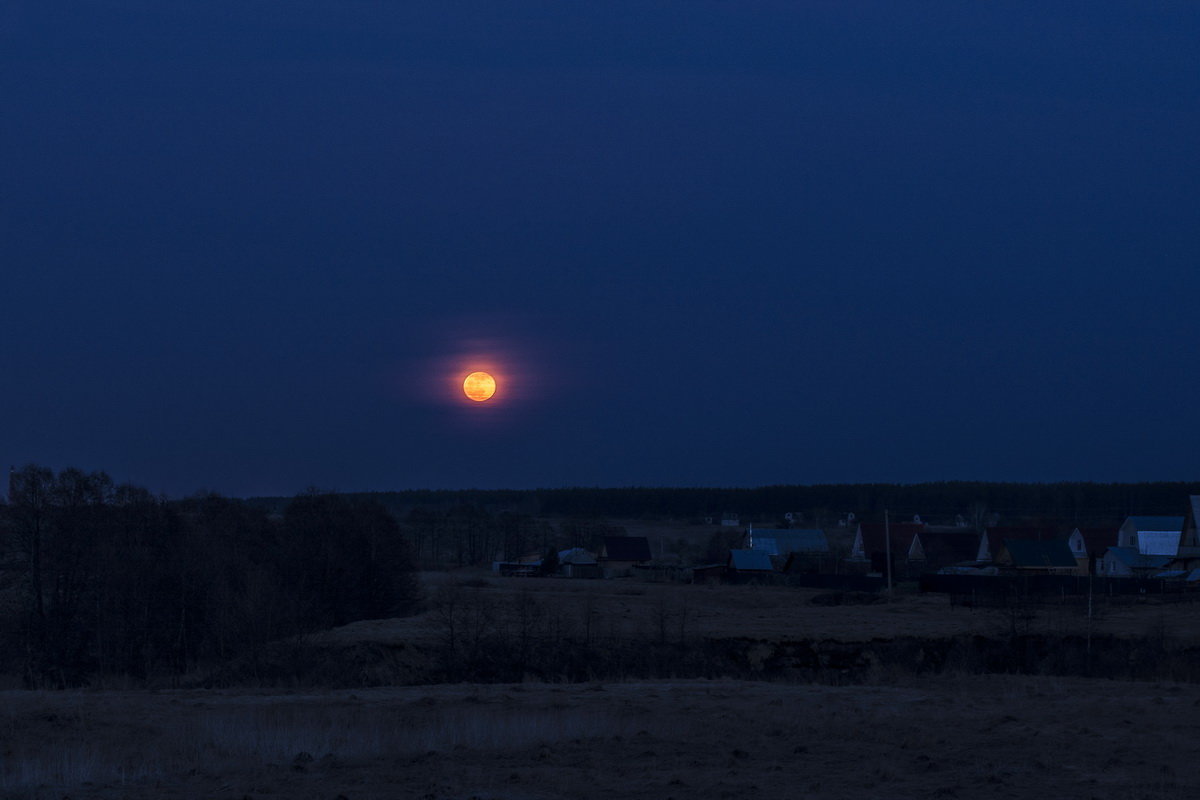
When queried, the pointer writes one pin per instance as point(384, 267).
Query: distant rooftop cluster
point(1162, 547)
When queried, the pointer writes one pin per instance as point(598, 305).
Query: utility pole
point(887, 539)
point(1089, 626)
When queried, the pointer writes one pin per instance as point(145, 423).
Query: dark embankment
point(825, 661)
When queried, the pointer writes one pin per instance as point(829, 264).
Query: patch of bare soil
point(956, 737)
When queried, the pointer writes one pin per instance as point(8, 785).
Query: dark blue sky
point(710, 243)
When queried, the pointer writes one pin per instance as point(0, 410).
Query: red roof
point(902, 533)
point(998, 535)
point(949, 547)
point(1097, 540)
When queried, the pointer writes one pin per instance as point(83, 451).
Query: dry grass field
point(897, 734)
point(954, 737)
point(637, 608)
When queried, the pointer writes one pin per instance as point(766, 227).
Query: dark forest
point(100, 579)
point(1076, 502)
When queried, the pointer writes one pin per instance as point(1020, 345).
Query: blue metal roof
point(750, 561)
point(1130, 557)
point(575, 555)
point(782, 542)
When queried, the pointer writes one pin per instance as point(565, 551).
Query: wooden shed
point(620, 554)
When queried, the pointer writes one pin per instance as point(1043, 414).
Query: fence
point(1001, 589)
point(845, 583)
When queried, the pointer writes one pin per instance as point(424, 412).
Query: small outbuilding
point(576, 562)
point(709, 573)
point(750, 563)
point(620, 554)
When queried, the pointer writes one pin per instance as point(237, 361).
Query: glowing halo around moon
point(479, 386)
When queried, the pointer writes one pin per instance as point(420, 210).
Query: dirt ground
point(958, 737)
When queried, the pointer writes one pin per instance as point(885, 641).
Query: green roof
point(1040, 553)
point(750, 561)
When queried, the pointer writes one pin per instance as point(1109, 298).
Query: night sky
point(250, 247)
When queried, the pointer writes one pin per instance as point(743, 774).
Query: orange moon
point(479, 386)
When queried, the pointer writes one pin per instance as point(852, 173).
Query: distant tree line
point(98, 579)
point(1073, 501)
point(470, 534)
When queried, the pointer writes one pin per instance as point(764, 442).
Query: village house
point(805, 550)
point(620, 554)
point(1152, 536)
point(871, 544)
point(1127, 562)
point(1189, 541)
point(1037, 557)
point(780, 542)
point(1088, 546)
point(750, 564)
point(991, 542)
point(932, 550)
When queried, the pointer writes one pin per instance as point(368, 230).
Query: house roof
point(750, 561)
point(782, 542)
point(949, 546)
point(1039, 553)
point(998, 535)
point(1158, 543)
point(575, 555)
point(1130, 557)
point(1035, 532)
point(902, 533)
point(626, 548)
point(840, 539)
point(1171, 524)
point(1096, 540)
